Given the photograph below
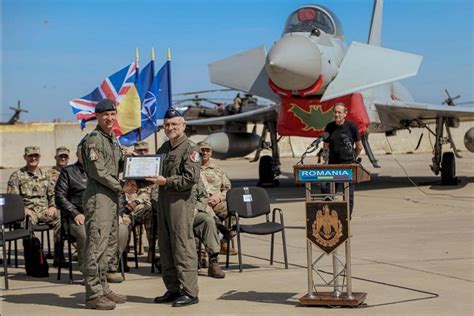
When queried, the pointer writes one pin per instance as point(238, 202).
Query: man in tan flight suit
point(180, 175)
point(102, 157)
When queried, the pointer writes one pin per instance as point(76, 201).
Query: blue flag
point(156, 99)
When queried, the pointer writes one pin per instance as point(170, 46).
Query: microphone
point(312, 147)
point(320, 139)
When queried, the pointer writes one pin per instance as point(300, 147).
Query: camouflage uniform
point(218, 184)
point(102, 157)
point(53, 173)
point(143, 210)
point(181, 167)
point(204, 224)
point(37, 190)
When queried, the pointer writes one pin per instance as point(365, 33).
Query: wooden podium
point(328, 226)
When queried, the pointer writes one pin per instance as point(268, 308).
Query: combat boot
point(214, 270)
point(116, 298)
point(100, 303)
point(223, 250)
point(113, 277)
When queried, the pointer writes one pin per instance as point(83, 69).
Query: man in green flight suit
point(180, 175)
point(102, 156)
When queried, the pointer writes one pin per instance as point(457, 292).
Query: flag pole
point(137, 59)
point(169, 78)
point(153, 72)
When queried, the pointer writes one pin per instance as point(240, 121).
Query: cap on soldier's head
point(204, 144)
point(141, 145)
point(32, 150)
point(172, 112)
point(105, 105)
point(62, 150)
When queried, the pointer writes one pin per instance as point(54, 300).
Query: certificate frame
point(133, 167)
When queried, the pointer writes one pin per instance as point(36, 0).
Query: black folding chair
point(66, 235)
point(251, 202)
point(12, 210)
point(137, 233)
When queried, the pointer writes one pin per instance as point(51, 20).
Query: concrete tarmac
point(412, 253)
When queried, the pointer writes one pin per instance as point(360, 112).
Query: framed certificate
point(141, 167)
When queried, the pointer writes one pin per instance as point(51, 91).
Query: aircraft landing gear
point(448, 169)
point(445, 162)
point(266, 176)
point(269, 166)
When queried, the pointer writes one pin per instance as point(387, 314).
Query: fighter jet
point(308, 70)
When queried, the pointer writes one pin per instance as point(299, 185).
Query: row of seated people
point(44, 192)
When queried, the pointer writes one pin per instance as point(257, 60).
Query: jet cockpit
point(309, 18)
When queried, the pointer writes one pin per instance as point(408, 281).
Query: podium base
point(328, 298)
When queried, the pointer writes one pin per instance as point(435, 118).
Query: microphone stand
point(309, 150)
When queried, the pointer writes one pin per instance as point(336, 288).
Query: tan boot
point(223, 250)
point(214, 270)
point(116, 298)
point(113, 277)
point(100, 303)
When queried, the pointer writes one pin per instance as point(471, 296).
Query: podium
point(328, 225)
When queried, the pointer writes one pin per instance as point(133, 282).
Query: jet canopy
point(308, 18)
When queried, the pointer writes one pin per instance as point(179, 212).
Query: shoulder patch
point(195, 156)
point(93, 155)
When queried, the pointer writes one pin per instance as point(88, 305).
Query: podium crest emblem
point(326, 224)
point(327, 228)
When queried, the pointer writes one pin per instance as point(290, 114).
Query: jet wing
point(255, 116)
point(366, 66)
point(392, 112)
point(244, 72)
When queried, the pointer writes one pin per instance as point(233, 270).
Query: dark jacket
point(70, 187)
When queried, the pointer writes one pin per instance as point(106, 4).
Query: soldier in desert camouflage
point(35, 186)
point(62, 159)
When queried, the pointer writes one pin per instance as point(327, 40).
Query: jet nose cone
point(294, 63)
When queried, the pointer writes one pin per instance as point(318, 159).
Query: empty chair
point(12, 210)
point(251, 202)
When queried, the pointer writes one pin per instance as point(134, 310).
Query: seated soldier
point(138, 199)
point(69, 190)
point(62, 159)
point(204, 227)
point(36, 188)
point(217, 184)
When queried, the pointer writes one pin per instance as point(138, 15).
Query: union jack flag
point(113, 87)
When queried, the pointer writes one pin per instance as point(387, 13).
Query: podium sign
point(352, 173)
point(326, 224)
point(324, 175)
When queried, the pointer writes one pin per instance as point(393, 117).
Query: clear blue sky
point(57, 50)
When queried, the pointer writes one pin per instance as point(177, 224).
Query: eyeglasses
point(172, 125)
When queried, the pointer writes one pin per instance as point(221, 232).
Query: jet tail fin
point(244, 72)
point(375, 34)
point(366, 66)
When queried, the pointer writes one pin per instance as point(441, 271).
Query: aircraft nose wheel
point(266, 176)
point(448, 169)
